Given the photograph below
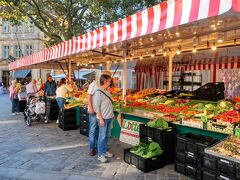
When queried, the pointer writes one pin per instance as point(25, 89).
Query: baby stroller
point(35, 109)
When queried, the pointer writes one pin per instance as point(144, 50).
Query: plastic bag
point(40, 108)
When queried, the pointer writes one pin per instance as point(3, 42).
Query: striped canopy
point(154, 19)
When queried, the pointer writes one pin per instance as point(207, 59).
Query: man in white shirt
point(93, 128)
point(31, 87)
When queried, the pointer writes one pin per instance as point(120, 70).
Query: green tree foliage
point(60, 20)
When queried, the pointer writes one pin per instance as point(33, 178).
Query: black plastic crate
point(68, 116)
point(84, 124)
point(193, 160)
point(83, 110)
point(193, 143)
point(66, 127)
point(180, 157)
point(181, 143)
point(52, 109)
point(208, 175)
point(84, 116)
point(84, 131)
point(145, 165)
point(179, 167)
point(169, 153)
point(211, 87)
point(238, 171)
point(67, 119)
point(226, 167)
point(209, 162)
point(164, 137)
point(192, 172)
point(223, 167)
point(225, 177)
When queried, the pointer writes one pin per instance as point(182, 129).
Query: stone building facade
point(18, 41)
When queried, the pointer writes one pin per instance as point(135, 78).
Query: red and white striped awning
point(154, 19)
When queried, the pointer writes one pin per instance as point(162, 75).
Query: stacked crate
point(164, 137)
point(52, 109)
point(84, 121)
point(217, 167)
point(189, 154)
point(67, 119)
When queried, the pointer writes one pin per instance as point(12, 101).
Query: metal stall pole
point(124, 92)
point(108, 67)
point(170, 69)
point(69, 68)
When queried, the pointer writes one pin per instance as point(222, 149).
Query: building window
point(6, 52)
point(29, 49)
point(30, 26)
point(19, 29)
point(6, 27)
point(17, 52)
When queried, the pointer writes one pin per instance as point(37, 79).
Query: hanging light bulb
point(78, 64)
point(141, 57)
point(115, 62)
point(179, 50)
point(131, 58)
point(122, 60)
point(92, 66)
point(107, 62)
point(164, 52)
point(100, 65)
point(214, 47)
point(86, 65)
point(194, 49)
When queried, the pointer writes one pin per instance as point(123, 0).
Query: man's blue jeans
point(93, 132)
point(104, 135)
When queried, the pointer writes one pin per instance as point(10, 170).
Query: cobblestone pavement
point(44, 151)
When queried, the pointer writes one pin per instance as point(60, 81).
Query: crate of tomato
point(225, 122)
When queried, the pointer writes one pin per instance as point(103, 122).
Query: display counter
point(139, 116)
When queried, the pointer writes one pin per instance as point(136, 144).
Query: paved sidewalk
point(44, 151)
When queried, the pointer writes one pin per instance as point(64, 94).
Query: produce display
point(207, 110)
point(76, 99)
point(147, 151)
point(230, 147)
point(231, 116)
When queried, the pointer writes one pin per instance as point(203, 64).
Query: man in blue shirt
point(50, 88)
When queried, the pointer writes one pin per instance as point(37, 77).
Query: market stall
point(164, 32)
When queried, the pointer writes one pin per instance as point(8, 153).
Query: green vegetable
point(209, 106)
point(169, 102)
point(147, 151)
point(158, 123)
point(222, 104)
